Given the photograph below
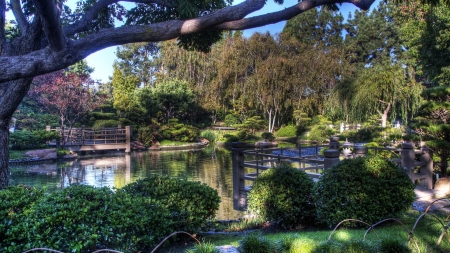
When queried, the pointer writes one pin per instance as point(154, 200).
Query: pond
point(211, 165)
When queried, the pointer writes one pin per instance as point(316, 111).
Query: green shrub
point(256, 243)
point(103, 115)
point(251, 125)
point(84, 218)
point(191, 203)
point(243, 135)
point(204, 248)
point(283, 195)
point(149, 134)
point(229, 138)
point(24, 139)
point(43, 136)
point(287, 131)
point(351, 246)
point(364, 188)
point(268, 136)
point(178, 132)
point(295, 244)
point(98, 124)
point(320, 133)
point(380, 153)
point(62, 152)
point(35, 121)
point(209, 135)
point(15, 200)
point(231, 120)
point(367, 134)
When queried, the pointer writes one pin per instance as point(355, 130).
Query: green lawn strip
point(426, 234)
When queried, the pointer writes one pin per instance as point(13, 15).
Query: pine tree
point(432, 123)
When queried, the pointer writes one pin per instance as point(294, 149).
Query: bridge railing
point(248, 164)
point(90, 137)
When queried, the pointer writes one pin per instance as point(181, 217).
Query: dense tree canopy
point(48, 36)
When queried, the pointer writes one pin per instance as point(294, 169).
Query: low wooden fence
point(248, 164)
point(85, 139)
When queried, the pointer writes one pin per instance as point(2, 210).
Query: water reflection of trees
point(211, 166)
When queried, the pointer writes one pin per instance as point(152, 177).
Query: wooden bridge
point(84, 139)
point(248, 164)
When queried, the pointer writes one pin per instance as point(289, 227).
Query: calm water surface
point(211, 166)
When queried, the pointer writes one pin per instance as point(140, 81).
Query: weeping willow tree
point(386, 89)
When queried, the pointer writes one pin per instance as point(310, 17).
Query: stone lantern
point(346, 151)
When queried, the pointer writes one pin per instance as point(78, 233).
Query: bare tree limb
point(51, 24)
point(85, 21)
point(20, 17)
point(286, 14)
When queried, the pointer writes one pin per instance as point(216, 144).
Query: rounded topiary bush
point(365, 188)
point(287, 131)
point(192, 204)
point(282, 195)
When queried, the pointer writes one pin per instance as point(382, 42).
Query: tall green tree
point(138, 59)
point(372, 36)
point(49, 36)
point(381, 81)
point(424, 29)
point(321, 27)
point(174, 99)
point(124, 93)
point(384, 89)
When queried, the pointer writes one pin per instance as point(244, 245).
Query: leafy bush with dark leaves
point(190, 203)
point(283, 195)
point(364, 188)
point(84, 218)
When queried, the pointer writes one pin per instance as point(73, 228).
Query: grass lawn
point(425, 235)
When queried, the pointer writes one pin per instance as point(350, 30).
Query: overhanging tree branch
point(84, 23)
point(51, 24)
point(60, 55)
point(286, 14)
point(18, 14)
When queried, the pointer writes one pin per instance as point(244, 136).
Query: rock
point(43, 154)
point(227, 249)
point(442, 188)
point(135, 145)
point(265, 144)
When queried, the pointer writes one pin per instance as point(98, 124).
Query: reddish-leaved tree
point(70, 96)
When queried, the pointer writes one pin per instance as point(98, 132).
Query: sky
point(102, 61)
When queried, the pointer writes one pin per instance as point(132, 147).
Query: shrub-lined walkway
point(424, 197)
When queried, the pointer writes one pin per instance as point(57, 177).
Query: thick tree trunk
point(4, 157)
point(384, 115)
point(11, 95)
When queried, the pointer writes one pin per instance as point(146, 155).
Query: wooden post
point(128, 138)
point(427, 168)
point(331, 157)
point(47, 128)
point(239, 196)
point(408, 157)
point(83, 137)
